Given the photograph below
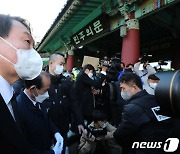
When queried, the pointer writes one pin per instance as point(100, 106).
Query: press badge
point(159, 117)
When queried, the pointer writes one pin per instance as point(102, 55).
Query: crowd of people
point(106, 109)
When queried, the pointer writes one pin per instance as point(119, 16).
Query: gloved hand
point(59, 141)
point(57, 148)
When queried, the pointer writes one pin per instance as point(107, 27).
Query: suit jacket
point(37, 127)
point(11, 139)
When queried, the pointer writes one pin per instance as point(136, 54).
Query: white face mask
point(90, 75)
point(153, 85)
point(29, 63)
point(59, 69)
point(41, 98)
point(125, 95)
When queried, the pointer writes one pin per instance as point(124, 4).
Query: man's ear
point(33, 90)
point(135, 87)
point(32, 87)
point(50, 62)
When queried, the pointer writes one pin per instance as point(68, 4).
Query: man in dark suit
point(83, 89)
point(39, 130)
point(17, 60)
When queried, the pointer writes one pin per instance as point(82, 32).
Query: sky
point(40, 13)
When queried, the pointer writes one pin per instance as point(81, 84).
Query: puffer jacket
point(92, 146)
point(136, 114)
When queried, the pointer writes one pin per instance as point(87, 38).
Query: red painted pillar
point(70, 60)
point(130, 44)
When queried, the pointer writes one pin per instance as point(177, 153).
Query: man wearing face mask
point(83, 89)
point(147, 70)
point(64, 102)
point(18, 60)
point(136, 114)
point(36, 125)
point(152, 83)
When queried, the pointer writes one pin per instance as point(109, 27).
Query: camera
point(167, 93)
point(162, 62)
point(96, 131)
point(114, 69)
point(97, 115)
point(105, 63)
point(144, 60)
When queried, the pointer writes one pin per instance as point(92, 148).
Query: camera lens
point(168, 93)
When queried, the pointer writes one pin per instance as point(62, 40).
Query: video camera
point(97, 115)
point(96, 131)
point(144, 60)
point(167, 93)
point(104, 63)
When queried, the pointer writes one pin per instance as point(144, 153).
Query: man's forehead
point(60, 59)
point(122, 84)
point(20, 26)
point(46, 81)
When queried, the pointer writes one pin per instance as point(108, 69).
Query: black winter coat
point(83, 90)
point(139, 124)
point(64, 104)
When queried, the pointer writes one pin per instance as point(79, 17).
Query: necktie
point(14, 106)
point(38, 105)
point(15, 110)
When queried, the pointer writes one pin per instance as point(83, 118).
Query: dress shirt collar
point(6, 90)
point(34, 102)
